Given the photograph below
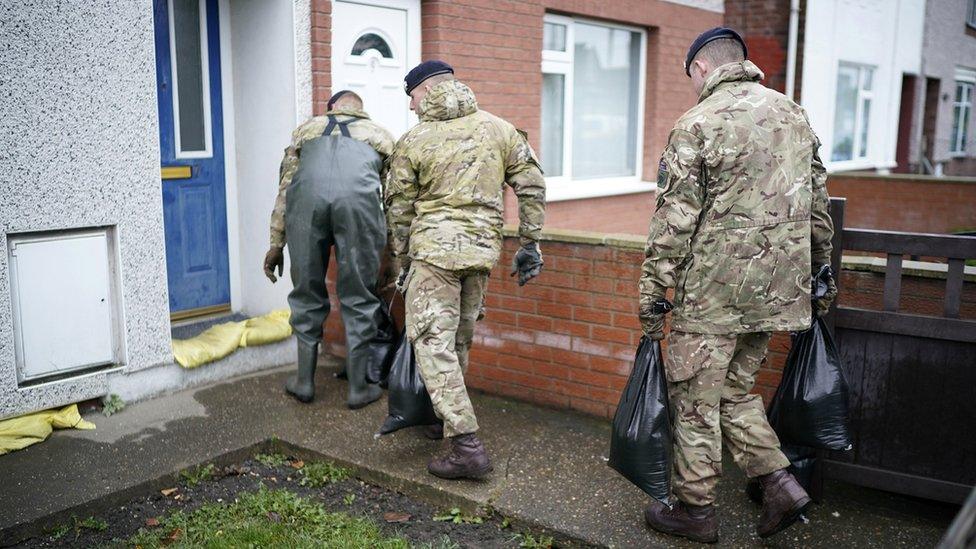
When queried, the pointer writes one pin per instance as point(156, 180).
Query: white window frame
point(205, 68)
point(856, 160)
point(964, 77)
point(564, 187)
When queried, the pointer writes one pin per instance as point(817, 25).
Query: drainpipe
point(791, 48)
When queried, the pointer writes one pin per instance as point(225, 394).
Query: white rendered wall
point(264, 85)
point(886, 34)
point(80, 148)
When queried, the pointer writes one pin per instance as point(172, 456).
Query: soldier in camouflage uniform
point(329, 197)
point(741, 222)
point(444, 198)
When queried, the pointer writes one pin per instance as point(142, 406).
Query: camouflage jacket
point(363, 129)
point(445, 191)
point(741, 218)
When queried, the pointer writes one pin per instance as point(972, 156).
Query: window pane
point(845, 111)
point(553, 98)
point(371, 41)
point(605, 91)
point(554, 37)
point(868, 76)
point(189, 75)
point(865, 117)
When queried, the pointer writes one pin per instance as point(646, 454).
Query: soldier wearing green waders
point(741, 224)
point(330, 198)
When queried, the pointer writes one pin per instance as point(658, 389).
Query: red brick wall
point(906, 203)
point(321, 38)
point(568, 338)
point(765, 26)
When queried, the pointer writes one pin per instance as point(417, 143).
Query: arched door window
point(372, 41)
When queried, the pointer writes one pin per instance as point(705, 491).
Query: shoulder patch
point(662, 175)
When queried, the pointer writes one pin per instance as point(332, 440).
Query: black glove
point(824, 290)
point(527, 263)
point(652, 320)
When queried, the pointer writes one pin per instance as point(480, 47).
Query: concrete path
point(550, 468)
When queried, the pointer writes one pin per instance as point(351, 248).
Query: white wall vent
point(66, 302)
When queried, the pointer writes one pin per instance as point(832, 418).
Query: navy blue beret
point(718, 33)
point(424, 71)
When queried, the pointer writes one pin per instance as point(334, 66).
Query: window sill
point(559, 191)
point(859, 165)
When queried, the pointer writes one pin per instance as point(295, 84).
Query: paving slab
point(550, 467)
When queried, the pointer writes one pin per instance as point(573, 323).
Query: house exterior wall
point(885, 35)
point(266, 97)
point(80, 138)
point(949, 43)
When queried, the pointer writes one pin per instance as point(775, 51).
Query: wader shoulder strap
point(343, 126)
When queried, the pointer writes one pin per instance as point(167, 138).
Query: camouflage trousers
point(442, 308)
point(709, 379)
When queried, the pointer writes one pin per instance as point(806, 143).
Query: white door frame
point(412, 7)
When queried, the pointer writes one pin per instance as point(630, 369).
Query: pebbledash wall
point(77, 157)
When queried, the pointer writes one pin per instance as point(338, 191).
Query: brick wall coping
point(881, 178)
point(623, 241)
point(920, 269)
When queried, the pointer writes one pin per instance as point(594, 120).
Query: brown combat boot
point(697, 523)
point(784, 500)
point(467, 459)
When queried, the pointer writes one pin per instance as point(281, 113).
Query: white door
point(374, 44)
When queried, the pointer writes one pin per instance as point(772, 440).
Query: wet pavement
point(550, 468)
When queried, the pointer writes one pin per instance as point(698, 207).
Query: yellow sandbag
point(21, 432)
point(266, 329)
point(223, 339)
point(213, 344)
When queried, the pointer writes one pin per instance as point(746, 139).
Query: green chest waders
point(334, 201)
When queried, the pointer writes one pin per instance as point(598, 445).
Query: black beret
point(424, 71)
point(718, 33)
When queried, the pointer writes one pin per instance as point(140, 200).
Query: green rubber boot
point(302, 384)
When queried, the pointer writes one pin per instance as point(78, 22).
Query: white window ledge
point(558, 191)
point(853, 165)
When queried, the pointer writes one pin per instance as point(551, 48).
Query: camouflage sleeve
point(680, 199)
point(821, 226)
point(382, 142)
point(287, 170)
point(401, 192)
point(524, 175)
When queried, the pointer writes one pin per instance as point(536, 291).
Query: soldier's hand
point(274, 258)
point(403, 269)
point(824, 290)
point(652, 318)
point(527, 263)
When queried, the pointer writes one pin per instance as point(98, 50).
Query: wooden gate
point(912, 377)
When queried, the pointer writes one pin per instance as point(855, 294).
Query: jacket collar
point(742, 71)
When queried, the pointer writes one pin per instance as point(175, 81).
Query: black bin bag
point(810, 407)
point(409, 402)
point(640, 445)
point(382, 348)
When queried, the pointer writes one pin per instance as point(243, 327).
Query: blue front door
point(191, 140)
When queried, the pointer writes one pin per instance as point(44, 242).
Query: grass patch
point(76, 526)
point(320, 473)
point(271, 460)
point(266, 518)
point(112, 404)
point(198, 475)
point(529, 541)
point(457, 517)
